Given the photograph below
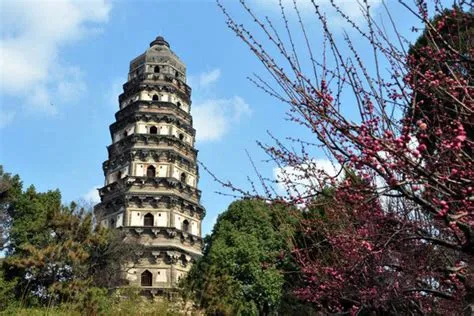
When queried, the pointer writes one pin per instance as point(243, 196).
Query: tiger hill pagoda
point(151, 176)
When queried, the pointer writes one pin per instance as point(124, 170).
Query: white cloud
point(208, 78)
point(72, 85)
point(39, 100)
point(205, 80)
point(305, 178)
point(32, 36)
point(352, 8)
point(92, 195)
point(213, 117)
point(241, 108)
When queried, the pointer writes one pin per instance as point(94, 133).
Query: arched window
point(156, 69)
point(150, 172)
point(183, 177)
point(112, 223)
point(155, 97)
point(185, 227)
point(119, 175)
point(178, 104)
point(153, 130)
point(148, 220)
point(176, 74)
point(147, 278)
point(181, 136)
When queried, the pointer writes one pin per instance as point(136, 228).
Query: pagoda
point(151, 176)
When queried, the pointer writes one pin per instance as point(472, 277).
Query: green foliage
point(7, 295)
point(241, 268)
point(125, 302)
point(49, 253)
point(55, 255)
point(10, 189)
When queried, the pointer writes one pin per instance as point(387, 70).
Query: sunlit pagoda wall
point(151, 176)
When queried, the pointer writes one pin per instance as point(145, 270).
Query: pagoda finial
point(160, 41)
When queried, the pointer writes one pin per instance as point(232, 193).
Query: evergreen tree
point(54, 254)
point(243, 259)
point(10, 189)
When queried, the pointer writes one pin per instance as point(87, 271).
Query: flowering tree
point(358, 257)
point(401, 237)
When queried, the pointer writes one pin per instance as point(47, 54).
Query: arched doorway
point(185, 227)
point(148, 220)
point(150, 172)
point(153, 130)
point(147, 278)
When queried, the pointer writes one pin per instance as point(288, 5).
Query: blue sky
point(63, 64)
